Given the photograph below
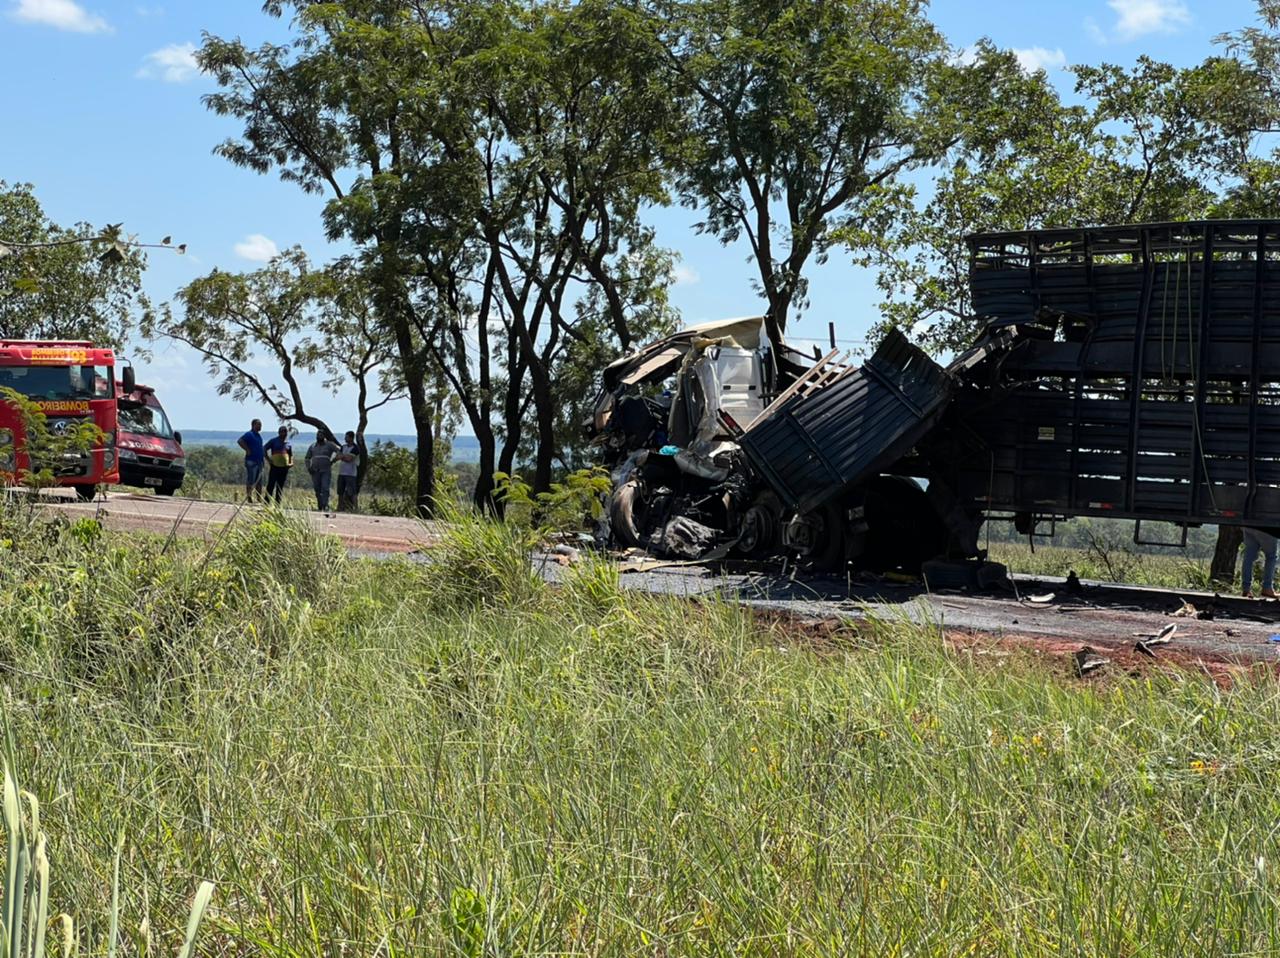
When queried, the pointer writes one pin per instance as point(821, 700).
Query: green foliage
point(54, 289)
point(568, 506)
point(1150, 142)
point(803, 116)
point(447, 757)
point(24, 895)
point(45, 449)
point(393, 471)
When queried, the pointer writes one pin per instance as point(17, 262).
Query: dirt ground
point(142, 512)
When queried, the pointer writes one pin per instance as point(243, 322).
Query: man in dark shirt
point(320, 458)
point(251, 443)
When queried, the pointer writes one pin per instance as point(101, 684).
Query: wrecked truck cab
point(663, 425)
point(724, 459)
point(705, 368)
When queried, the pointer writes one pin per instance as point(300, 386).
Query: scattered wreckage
point(1129, 372)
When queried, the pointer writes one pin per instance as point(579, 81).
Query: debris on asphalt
point(565, 555)
point(1186, 611)
point(1088, 660)
point(1044, 599)
point(1163, 637)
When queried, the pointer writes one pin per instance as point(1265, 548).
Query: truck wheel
point(166, 490)
point(818, 538)
point(627, 510)
point(85, 493)
point(758, 531)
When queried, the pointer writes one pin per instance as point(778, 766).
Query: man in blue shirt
point(251, 443)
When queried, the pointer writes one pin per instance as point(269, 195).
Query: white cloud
point(59, 14)
point(1038, 58)
point(257, 247)
point(682, 275)
point(1137, 18)
point(175, 63)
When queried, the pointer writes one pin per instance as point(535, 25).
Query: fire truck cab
point(69, 382)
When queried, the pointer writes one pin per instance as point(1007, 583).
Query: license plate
point(150, 481)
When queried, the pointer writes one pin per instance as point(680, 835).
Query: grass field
point(1174, 570)
point(454, 759)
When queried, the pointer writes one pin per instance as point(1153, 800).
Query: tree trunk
point(1223, 568)
point(544, 415)
point(775, 319)
point(482, 494)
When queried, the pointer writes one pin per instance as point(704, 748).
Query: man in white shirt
point(348, 469)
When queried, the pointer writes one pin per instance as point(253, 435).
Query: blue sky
point(101, 111)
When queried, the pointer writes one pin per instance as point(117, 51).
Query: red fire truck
point(70, 382)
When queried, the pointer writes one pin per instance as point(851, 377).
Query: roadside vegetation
point(1103, 549)
point(1119, 564)
point(453, 758)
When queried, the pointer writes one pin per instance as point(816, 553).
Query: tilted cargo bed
point(811, 448)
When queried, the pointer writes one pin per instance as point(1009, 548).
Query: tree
point(306, 321)
point(1138, 149)
point(65, 283)
point(335, 124)
point(803, 116)
point(489, 160)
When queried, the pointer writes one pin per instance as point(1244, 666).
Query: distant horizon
point(465, 447)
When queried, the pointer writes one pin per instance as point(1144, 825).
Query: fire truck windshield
point(57, 382)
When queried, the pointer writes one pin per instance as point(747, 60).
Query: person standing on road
point(348, 470)
point(320, 458)
point(1264, 542)
point(251, 443)
point(279, 453)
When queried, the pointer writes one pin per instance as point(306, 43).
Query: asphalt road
point(1107, 617)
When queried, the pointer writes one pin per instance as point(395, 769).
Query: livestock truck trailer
point(1125, 371)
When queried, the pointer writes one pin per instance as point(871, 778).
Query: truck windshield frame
point(57, 383)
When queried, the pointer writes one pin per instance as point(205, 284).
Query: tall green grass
point(1108, 563)
point(451, 758)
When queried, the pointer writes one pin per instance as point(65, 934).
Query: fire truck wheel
point(85, 493)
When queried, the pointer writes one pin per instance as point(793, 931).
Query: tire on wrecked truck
point(817, 538)
point(627, 509)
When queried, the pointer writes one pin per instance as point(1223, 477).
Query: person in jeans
point(1260, 541)
point(320, 458)
point(348, 470)
point(251, 443)
point(279, 453)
